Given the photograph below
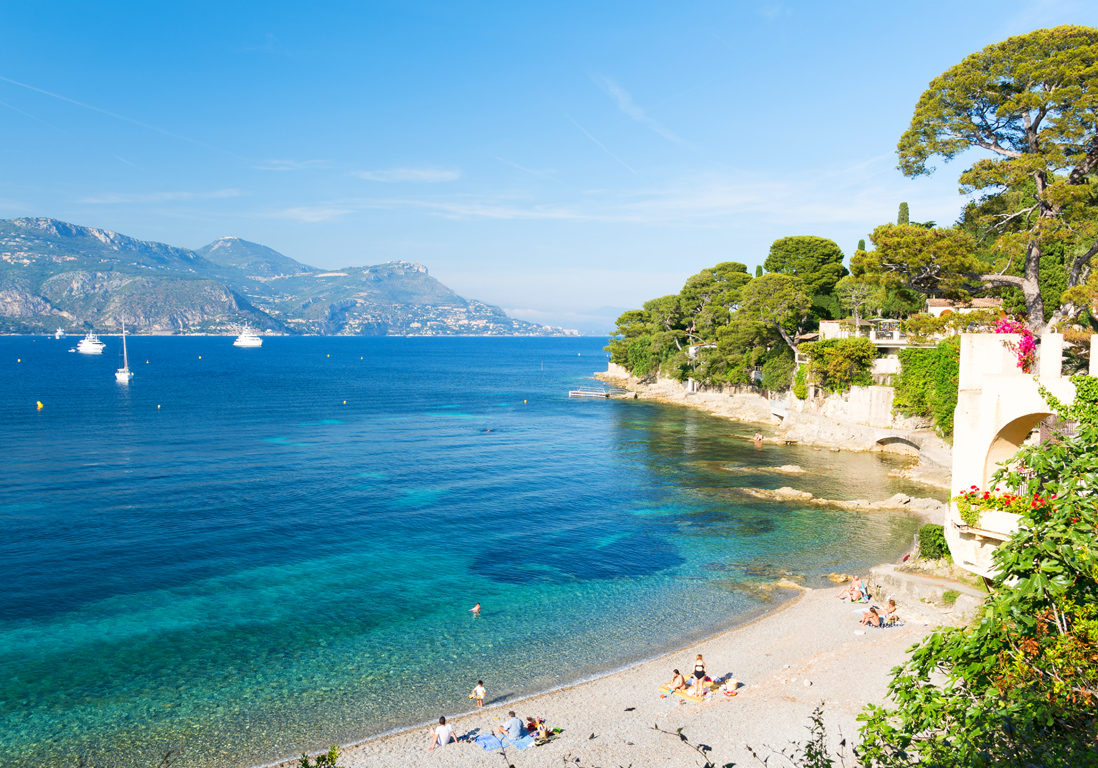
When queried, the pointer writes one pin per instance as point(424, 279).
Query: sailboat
point(124, 374)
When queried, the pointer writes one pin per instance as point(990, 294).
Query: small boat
point(59, 333)
point(248, 338)
point(90, 345)
point(124, 374)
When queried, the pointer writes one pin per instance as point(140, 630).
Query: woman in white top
point(442, 734)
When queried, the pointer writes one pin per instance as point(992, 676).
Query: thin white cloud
point(418, 175)
point(601, 145)
point(772, 10)
point(291, 165)
point(626, 104)
point(159, 197)
point(116, 116)
point(311, 214)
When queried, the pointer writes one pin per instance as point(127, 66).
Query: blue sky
point(551, 158)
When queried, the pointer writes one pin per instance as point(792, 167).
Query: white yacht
point(124, 374)
point(90, 345)
point(59, 333)
point(248, 338)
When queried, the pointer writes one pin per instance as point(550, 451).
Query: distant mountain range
point(59, 275)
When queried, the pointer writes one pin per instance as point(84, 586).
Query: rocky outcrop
point(931, 510)
point(17, 303)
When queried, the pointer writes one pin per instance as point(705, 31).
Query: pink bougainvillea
point(1026, 348)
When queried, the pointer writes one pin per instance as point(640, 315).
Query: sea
point(254, 553)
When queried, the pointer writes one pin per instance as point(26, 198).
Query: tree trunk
point(788, 339)
point(1031, 288)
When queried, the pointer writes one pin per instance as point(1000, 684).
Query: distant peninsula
point(59, 275)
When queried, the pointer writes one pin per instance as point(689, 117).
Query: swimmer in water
point(475, 610)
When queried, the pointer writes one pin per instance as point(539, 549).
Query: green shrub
point(932, 543)
point(800, 383)
point(777, 372)
point(639, 356)
point(838, 364)
point(949, 597)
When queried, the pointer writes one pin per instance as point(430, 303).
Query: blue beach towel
point(522, 742)
point(488, 742)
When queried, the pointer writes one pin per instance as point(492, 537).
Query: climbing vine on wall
point(927, 383)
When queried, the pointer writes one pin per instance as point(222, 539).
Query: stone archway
point(1008, 440)
point(897, 444)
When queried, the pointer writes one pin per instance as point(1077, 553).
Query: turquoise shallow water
point(283, 554)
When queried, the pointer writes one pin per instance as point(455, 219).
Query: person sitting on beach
point(442, 734)
point(853, 591)
point(872, 616)
point(758, 438)
point(699, 676)
point(512, 729)
point(890, 611)
point(678, 682)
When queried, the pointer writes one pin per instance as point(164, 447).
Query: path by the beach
point(815, 638)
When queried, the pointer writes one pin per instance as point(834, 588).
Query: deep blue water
point(259, 552)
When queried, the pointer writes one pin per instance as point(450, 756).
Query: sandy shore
point(814, 637)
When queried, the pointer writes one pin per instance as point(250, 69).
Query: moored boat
point(90, 345)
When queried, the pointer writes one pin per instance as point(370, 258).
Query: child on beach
point(478, 694)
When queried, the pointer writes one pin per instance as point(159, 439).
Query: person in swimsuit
point(871, 617)
point(699, 676)
point(678, 682)
point(475, 610)
point(853, 592)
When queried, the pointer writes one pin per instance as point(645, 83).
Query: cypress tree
point(861, 245)
point(759, 270)
point(904, 217)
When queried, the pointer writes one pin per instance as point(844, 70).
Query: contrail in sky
point(601, 145)
point(119, 117)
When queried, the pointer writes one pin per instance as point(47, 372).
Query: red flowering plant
point(972, 503)
point(1026, 348)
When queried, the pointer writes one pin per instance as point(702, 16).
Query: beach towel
point(488, 742)
point(523, 742)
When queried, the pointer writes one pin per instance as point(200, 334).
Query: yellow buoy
point(146, 362)
point(18, 359)
point(344, 402)
point(328, 355)
point(40, 406)
point(200, 357)
point(524, 402)
point(158, 406)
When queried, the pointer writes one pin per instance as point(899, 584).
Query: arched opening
point(893, 444)
point(1008, 440)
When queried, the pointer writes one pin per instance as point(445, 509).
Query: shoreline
point(931, 458)
point(771, 708)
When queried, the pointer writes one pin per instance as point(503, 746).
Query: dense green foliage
point(718, 329)
point(861, 245)
point(800, 383)
point(932, 543)
point(1020, 687)
point(927, 383)
point(816, 260)
point(837, 364)
point(904, 217)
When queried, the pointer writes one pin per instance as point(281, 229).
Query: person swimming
point(475, 610)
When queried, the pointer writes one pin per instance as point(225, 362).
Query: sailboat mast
point(125, 357)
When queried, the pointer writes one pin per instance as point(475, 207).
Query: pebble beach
point(810, 652)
